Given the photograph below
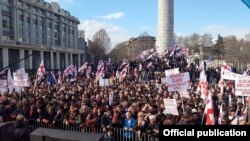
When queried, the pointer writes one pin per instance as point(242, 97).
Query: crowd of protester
point(137, 103)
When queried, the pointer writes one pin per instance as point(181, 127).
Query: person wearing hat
point(21, 131)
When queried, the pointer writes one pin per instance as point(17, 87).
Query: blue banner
point(247, 3)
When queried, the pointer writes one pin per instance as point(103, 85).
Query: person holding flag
point(40, 73)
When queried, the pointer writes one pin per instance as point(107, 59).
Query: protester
point(21, 131)
point(132, 102)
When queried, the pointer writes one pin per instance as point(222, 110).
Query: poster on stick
point(170, 107)
point(171, 71)
point(21, 79)
point(178, 82)
point(104, 82)
point(242, 87)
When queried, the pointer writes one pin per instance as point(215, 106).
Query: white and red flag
point(59, 81)
point(203, 85)
point(10, 82)
point(209, 110)
point(83, 67)
point(221, 114)
point(40, 71)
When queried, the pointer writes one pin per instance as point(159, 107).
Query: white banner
point(242, 87)
point(172, 71)
point(104, 82)
point(178, 82)
point(21, 79)
point(170, 107)
point(3, 85)
point(232, 76)
point(185, 94)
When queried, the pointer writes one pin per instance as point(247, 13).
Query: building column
point(30, 60)
point(5, 57)
point(66, 60)
point(58, 65)
point(52, 60)
point(79, 60)
point(21, 56)
point(41, 56)
point(71, 59)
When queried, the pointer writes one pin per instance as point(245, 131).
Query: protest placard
point(170, 106)
point(232, 76)
point(171, 71)
point(104, 82)
point(178, 82)
point(184, 94)
point(21, 79)
point(242, 87)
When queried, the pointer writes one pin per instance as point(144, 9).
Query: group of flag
point(206, 95)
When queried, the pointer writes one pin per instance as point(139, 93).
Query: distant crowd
point(137, 99)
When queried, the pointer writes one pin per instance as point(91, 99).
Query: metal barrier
point(118, 132)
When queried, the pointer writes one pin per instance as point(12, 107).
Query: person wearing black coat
point(21, 131)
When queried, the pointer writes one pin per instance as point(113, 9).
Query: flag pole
point(35, 85)
point(182, 105)
point(203, 116)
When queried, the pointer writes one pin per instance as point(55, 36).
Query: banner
point(178, 82)
point(170, 107)
point(104, 82)
point(172, 71)
point(185, 94)
point(242, 87)
point(3, 86)
point(21, 79)
point(232, 76)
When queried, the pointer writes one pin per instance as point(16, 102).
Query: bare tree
point(103, 40)
point(119, 52)
point(207, 40)
point(96, 51)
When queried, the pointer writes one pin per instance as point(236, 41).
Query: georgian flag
point(59, 78)
point(83, 67)
point(40, 71)
point(226, 67)
point(209, 110)
point(203, 85)
point(221, 114)
point(10, 82)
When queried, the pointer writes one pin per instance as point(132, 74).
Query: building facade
point(37, 30)
point(135, 46)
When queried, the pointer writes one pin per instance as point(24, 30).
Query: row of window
point(7, 1)
point(43, 12)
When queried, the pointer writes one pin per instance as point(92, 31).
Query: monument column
point(165, 31)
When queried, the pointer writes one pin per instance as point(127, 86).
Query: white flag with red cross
point(209, 110)
point(40, 71)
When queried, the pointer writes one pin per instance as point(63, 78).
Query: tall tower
point(165, 32)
